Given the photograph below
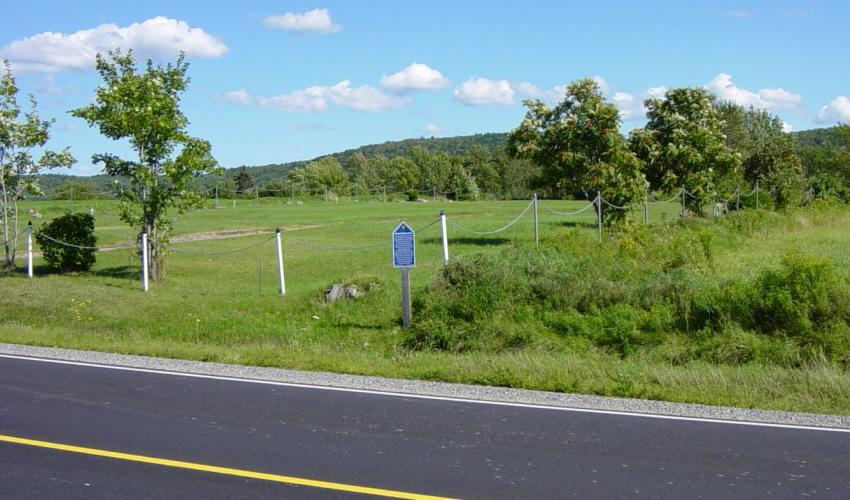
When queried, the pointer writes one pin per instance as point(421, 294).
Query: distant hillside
point(261, 174)
point(451, 145)
point(823, 137)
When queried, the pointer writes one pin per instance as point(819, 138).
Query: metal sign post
point(404, 257)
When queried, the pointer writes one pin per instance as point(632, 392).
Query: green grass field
point(220, 306)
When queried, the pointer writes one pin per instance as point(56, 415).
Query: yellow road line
point(220, 470)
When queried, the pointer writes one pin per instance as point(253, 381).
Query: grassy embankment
point(669, 313)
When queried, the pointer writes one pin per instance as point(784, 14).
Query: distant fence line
point(598, 204)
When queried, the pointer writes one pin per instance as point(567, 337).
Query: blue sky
point(282, 81)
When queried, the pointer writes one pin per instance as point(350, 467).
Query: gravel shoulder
point(484, 394)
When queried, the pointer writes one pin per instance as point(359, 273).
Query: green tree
point(579, 147)
point(402, 174)
point(243, 180)
point(766, 151)
point(480, 164)
point(683, 145)
point(19, 169)
point(326, 173)
point(827, 161)
point(74, 190)
point(144, 108)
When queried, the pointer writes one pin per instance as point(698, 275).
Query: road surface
point(76, 431)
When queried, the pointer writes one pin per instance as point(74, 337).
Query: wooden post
point(281, 281)
point(683, 201)
point(646, 207)
point(534, 216)
point(757, 195)
point(29, 249)
point(145, 261)
point(599, 216)
point(405, 297)
point(445, 237)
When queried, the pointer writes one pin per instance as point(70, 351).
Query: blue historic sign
point(404, 246)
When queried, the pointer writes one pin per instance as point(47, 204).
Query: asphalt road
point(399, 444)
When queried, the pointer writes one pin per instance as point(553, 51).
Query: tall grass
point(651, 312)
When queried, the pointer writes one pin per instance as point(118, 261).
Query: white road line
point(425, 396)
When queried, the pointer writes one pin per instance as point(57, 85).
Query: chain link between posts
point(485, 233)
point(566, 214)
point(223, 252)
point(71, 245)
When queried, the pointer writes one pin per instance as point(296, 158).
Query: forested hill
point(823, 137)
point(262, 174)
point(390, 149)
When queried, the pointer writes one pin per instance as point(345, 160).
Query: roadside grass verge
point(648, 313)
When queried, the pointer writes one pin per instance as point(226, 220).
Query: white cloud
point(630, 107)
point(723, 87)
point(740, 14)
point(240, 96)
point(836, 111)
point(415, 77)
point(656, 92)
point(484, 92)
point(313, 21)
point(787, 127)
point(51, 52)
point(603, 85)
point(318, 99)
point(555, 94)
point(433, 128)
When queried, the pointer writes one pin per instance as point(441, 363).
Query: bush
point(74, 229)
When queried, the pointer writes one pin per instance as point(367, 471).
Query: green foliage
point(244, 182)
point(650, 295)
point(19, 170)
point(75, 229)
point(323, 174)
point(75, 190)
point(144, 108)
point(579, 147)
point(767, 152)
point(683, 145)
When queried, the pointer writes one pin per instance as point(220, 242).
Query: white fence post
point(599, 215)
point(536, 233)
point(145, 261)
point(281, 281)
point(445, 237)
point(757, 195)
point(29, 249)
point(646, 206)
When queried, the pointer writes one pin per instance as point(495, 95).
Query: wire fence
point(598, 204)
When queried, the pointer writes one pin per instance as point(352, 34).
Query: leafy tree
point(19, 170)
point(74, 190)
point(434, 169)
point(480, 164)
point(579, 147)
point(825, 155)
point(325, 173)
point(683, 145)
point(515, 175)
point(766, 151)
point(243, 181)
point(144, 107)
point(76, 229)
point(401, 174)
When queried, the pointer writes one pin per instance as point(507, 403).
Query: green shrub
point(802, 296)
point(75, 230)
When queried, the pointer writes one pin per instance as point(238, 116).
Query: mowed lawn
point(219, 301)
